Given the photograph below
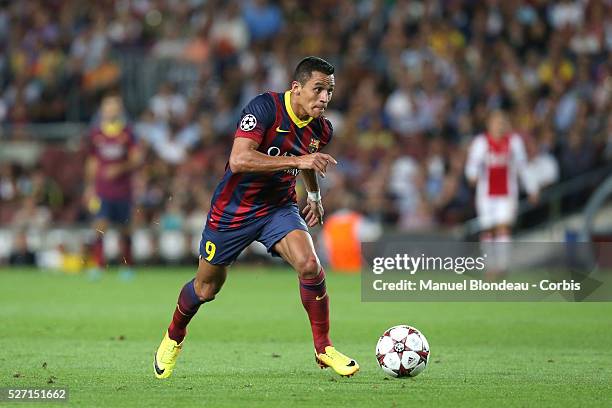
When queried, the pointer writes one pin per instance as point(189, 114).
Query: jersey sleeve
point(256, 118)
point(476, 158)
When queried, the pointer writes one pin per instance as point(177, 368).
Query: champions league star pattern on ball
point(402, 351)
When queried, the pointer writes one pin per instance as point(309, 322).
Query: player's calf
point(168, 351)
point(187, 306)
point(313, 293)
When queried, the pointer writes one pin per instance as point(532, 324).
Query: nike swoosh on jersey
point(321, 297)
point(278, 129)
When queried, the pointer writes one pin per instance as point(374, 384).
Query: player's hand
point(89, 194)
point(316, 161)
point(91, 201)
point(313, 213)
point(113, 171)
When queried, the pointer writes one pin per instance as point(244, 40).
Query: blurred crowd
point(414, 83)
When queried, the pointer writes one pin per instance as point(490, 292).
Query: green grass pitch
point(252, 346)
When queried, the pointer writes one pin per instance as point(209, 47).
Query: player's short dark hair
point(305, 68)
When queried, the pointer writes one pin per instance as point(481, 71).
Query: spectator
point(229, 32)
point(30, 215)
point(577, 154)
point(21, 254)
point(418, 79)
point(263, 18)
point(541, 164)
point(167, 104)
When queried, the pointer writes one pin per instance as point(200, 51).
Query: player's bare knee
point(208, 298)
point(206, 292)
point(308, 267)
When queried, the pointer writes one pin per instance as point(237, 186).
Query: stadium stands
point(415, 81)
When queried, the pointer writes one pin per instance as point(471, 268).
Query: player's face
point(316, 93)
point(111, 109)
point(497, 125)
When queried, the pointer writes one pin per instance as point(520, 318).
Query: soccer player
point(279, 135)
point(113, 157)
point(496, 160)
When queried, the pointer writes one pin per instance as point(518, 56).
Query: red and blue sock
point(98, 251)
point(126, 249)
point(186, 307)
point(316, 302)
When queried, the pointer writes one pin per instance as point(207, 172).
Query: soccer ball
point(402, 351)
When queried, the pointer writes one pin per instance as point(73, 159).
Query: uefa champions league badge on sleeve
point(248, 122)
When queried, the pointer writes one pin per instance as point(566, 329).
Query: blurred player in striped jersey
point(279, 136)
point(113, 157)
point(496, 160)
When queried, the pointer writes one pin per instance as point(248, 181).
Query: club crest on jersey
point(248, 122)
point(313, 147)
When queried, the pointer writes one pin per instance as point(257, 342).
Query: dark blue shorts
point(115, 211)
point(223, 247)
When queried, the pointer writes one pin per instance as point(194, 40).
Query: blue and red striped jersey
point(269, 120)
point(110, 145)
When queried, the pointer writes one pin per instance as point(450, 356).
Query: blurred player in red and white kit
point(496, 160)
point(113, 156)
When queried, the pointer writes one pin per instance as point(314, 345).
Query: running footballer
point(279, 136)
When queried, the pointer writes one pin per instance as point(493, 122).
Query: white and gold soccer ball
point(402, 351)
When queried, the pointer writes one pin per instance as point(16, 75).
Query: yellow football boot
point(165, 358)
point(343, 365)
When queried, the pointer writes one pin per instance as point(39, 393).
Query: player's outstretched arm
point(313, 212)
point(245, 158)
